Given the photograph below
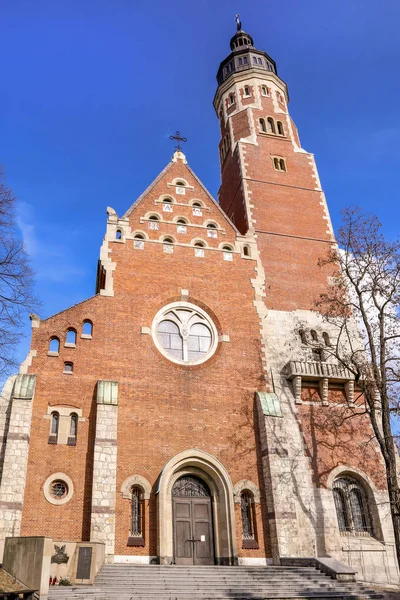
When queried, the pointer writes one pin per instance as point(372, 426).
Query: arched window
point(264, 90)
point(212, 230)
point(246, 251)
point(246, 90)
point(327, 340)
point(228, 252)
point(247, 512)
point(167, 204)
point(137, 512)
point(197, 209)
point(351, 505)
point(54, 424)
point(73, 430)
point(199, 249)
point(54, 345)
point(180, 183)
point(68, 367)
point(270, 125)
point(168, 245)
point(153, 222)
point(314, 335)
point(280, 128)
point(303, 336)
point(231, 99)
point(118, 234)
point(70, 338)
point(263, 127)
point(87, 328)
point(139, 236)
point(181, 221)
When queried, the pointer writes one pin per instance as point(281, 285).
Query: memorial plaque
point(84, 562)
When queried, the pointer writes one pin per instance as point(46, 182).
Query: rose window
point(185, 333)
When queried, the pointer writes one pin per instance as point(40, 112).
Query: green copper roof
point(270, 404)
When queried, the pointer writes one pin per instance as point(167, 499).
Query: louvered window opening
point(137, 512)
point(247, 521)
point(351, 507)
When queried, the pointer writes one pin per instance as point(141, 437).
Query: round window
point(184, 333)
point(59, 489)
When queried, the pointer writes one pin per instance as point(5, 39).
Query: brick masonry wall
point(164, 408)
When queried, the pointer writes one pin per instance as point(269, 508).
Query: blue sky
point(92, 90)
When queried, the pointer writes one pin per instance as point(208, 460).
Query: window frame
point(161, 316)
point(344, 487)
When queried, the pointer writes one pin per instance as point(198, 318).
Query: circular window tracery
point(59, 489)
point(184, 333)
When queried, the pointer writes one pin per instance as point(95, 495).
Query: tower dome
point(243, 56)
point(241, 40)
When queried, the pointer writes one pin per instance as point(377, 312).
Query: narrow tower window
point(68, 367)
point(246, 91)
point(118, 234)
point(263, 127)
point(231, 99)
point(280, 128)
point(264, 90)
point(247, 512)
point(282, 164)
point(55, 419)
point(137, 512)
point(73, 430)
point(270, 125)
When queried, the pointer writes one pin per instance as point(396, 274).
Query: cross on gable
point(179, 139)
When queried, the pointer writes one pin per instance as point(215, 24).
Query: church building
point(189, 412)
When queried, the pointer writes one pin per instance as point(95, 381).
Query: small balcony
point(298, 371)
point(314, 370)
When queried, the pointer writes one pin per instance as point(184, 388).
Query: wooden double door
point(192, 522)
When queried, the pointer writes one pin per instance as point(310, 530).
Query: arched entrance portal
point(206, 468)
point(192, 522)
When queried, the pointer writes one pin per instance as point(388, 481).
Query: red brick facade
point(251, 276)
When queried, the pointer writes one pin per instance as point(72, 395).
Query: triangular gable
point(142, 196)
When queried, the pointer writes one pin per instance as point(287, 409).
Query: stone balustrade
point(323, 372)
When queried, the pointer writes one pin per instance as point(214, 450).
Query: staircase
point(155, 582)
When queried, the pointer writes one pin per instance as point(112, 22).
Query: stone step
point(182, 582)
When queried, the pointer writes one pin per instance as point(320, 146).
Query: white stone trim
point(136, 480)
point(254, 562)
point(246, 484)
point(215, 474)
point(197, 239)
point(134, 560)
point(184, 304)
point(50, 480)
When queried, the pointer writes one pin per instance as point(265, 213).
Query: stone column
point(105, 468)
point(16, 442)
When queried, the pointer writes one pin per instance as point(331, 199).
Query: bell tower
point(270, 187)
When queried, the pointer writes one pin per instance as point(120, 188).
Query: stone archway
point(210, 470)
